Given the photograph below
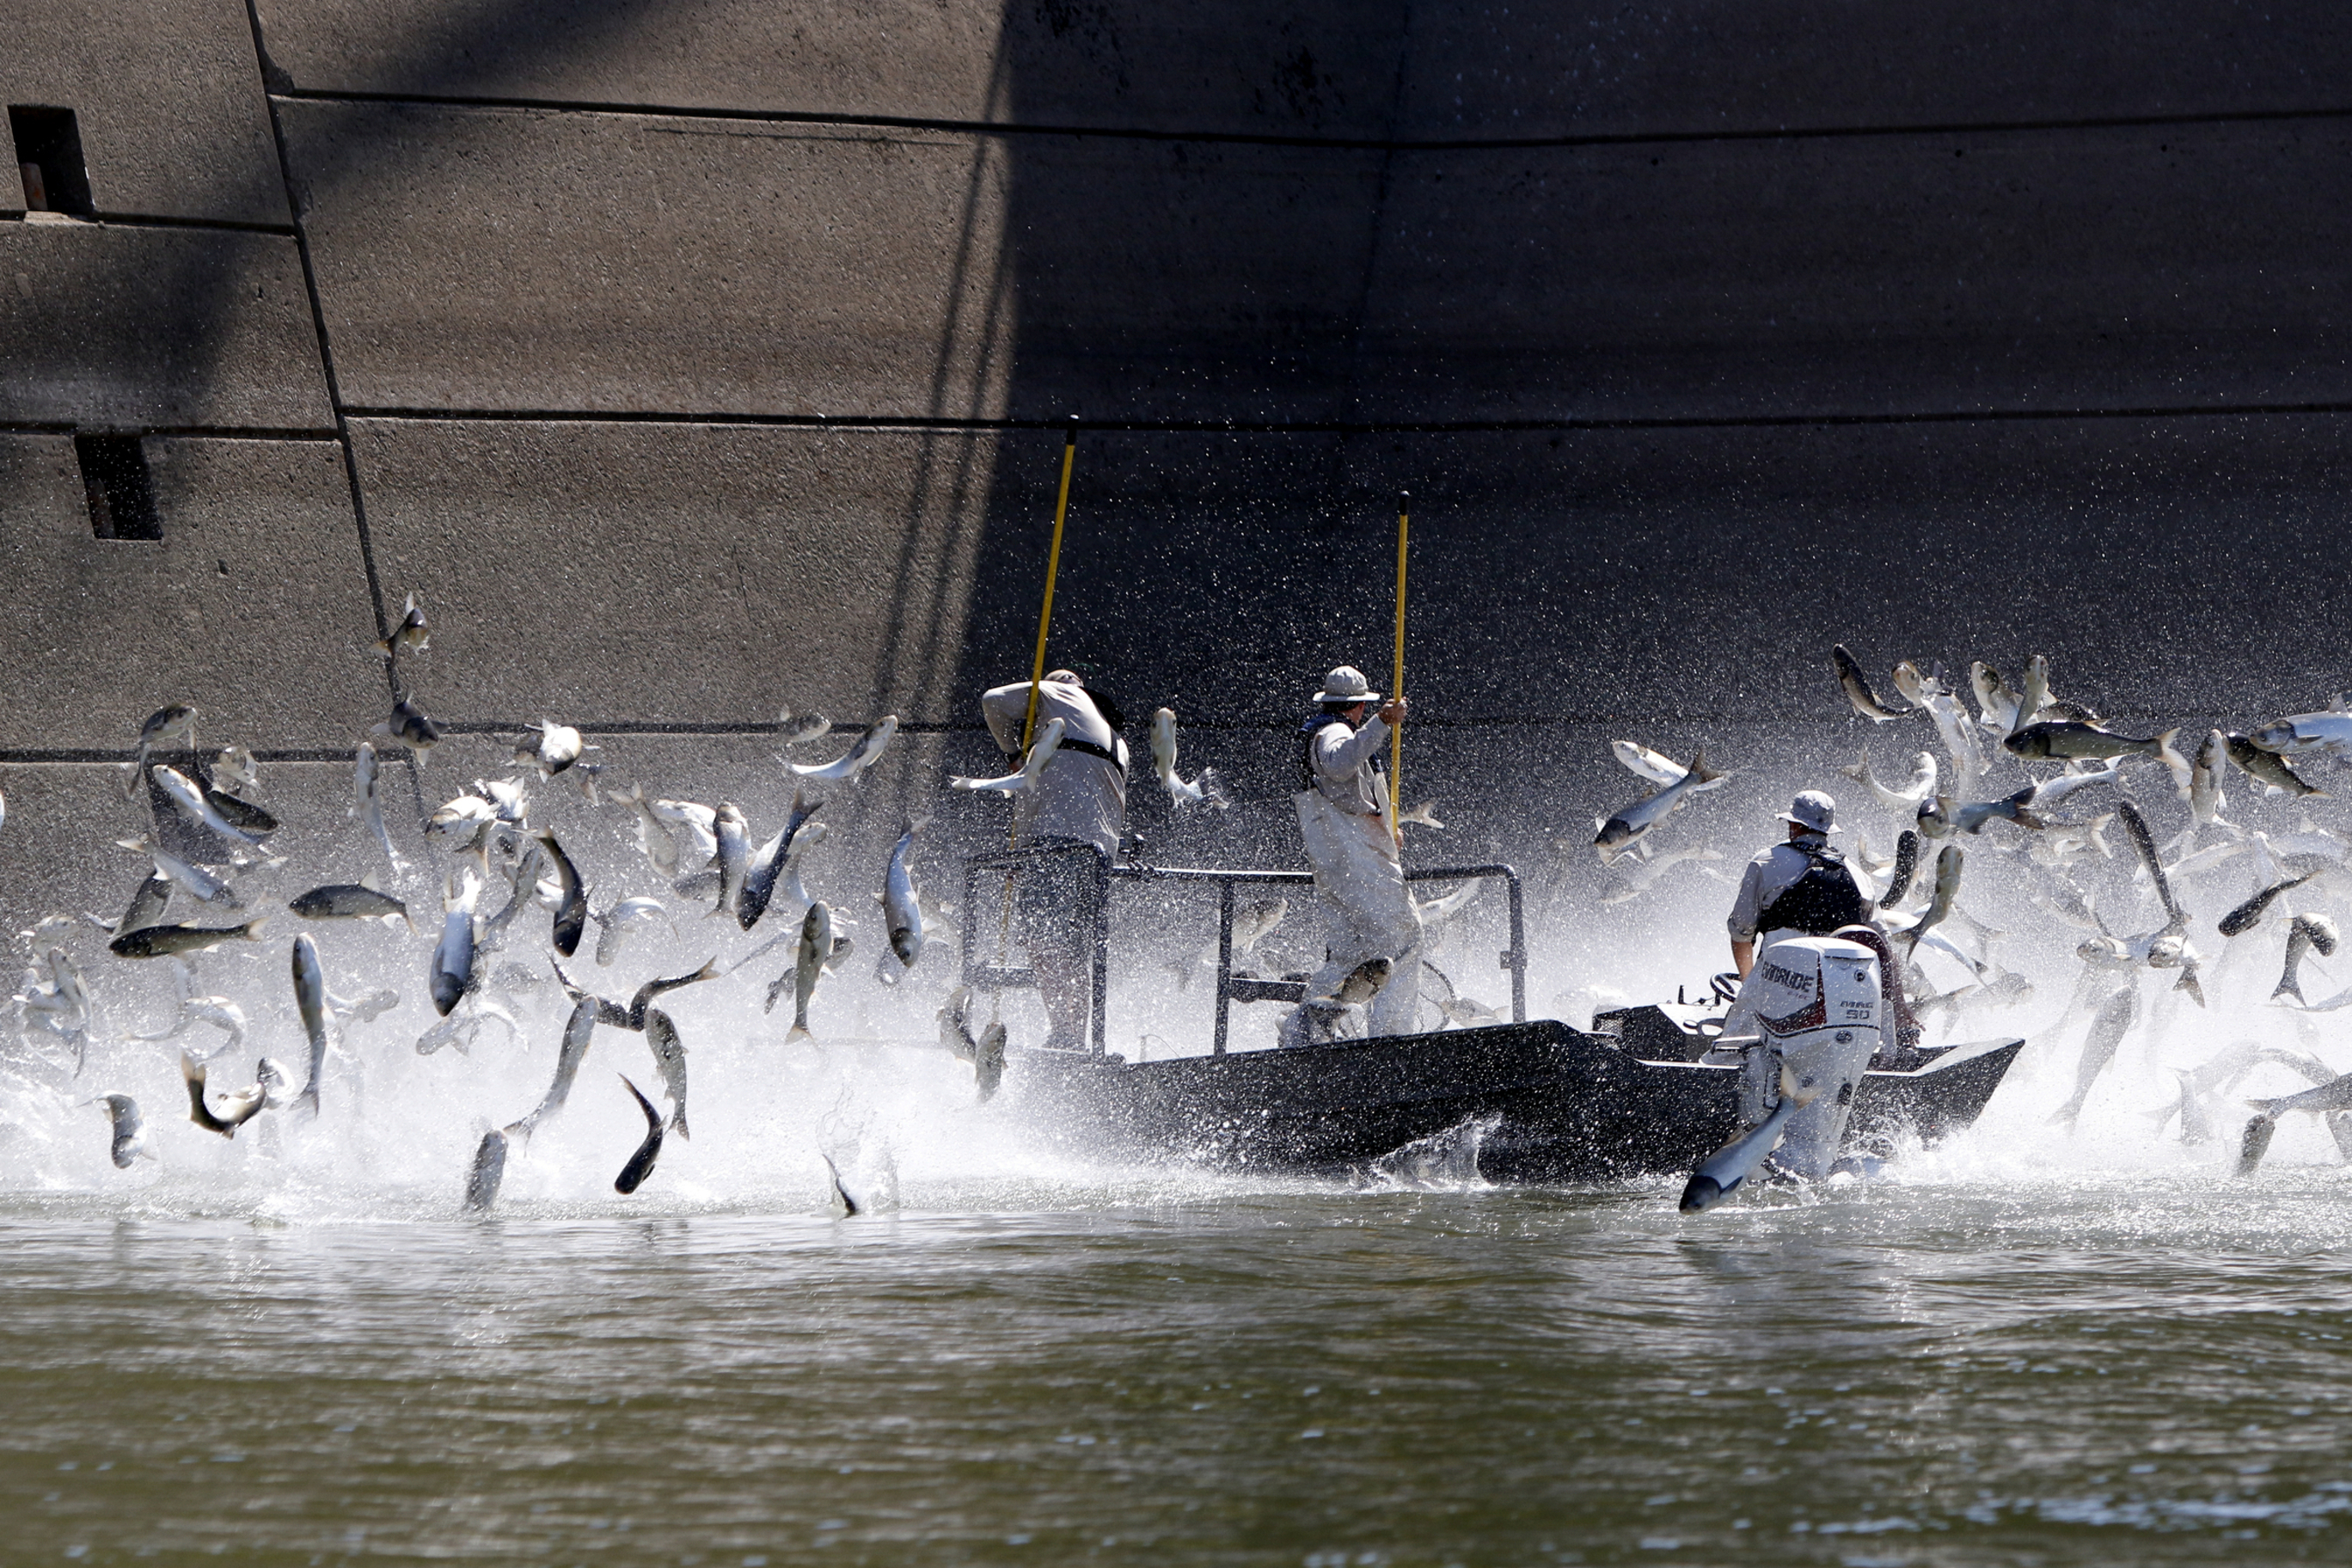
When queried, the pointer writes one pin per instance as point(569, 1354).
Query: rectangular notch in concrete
point(122, 494)
point(48, 157)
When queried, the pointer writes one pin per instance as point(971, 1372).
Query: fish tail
point(2269, 1108)
point(1699, 769)
point(2026, 818)
point(798, 1031)
point(307, 1101)
point(677, 1122)
point(251, 930)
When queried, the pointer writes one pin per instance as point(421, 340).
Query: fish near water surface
point(1721, 1172)
point(641, 1163)
point(130, 1130)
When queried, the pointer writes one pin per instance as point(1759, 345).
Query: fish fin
point(797, 1033)
point(251, 929)
point(1699, 767)
point(2027, 819)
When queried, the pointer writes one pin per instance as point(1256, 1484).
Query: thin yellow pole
point(1396, 733)
point(1054, 570)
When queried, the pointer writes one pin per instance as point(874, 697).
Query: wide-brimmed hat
point(1347, 684)
point(1814, 810)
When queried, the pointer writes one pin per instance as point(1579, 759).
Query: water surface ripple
point(2077, 1370)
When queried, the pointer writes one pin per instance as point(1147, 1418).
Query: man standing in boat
point(1801, 887)
point(1345, 820)
point(1080, 799)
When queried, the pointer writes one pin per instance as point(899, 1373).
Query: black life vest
point(1817, 903)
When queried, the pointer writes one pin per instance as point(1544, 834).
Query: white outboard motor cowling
point(1816, 1002)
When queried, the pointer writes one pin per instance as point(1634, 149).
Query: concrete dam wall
point(691, 359)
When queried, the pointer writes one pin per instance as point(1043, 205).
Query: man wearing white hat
point(1800, 888)
point(1344, 819)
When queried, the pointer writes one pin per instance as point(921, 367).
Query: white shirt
point(1343, 764)
point(1078, 795)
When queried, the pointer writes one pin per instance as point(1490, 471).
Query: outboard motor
point(1816, 1000)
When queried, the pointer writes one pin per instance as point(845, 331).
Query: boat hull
point(1573, 1107)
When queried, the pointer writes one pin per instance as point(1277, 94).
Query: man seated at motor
point(1801, 887)
point(1080, 799)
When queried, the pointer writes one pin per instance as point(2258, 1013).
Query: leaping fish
point(1049, 740)
point(1922, 785)
point(1630, 824)
point(1181, 794)
point(368, 807)
point(860, 757)
point(1857, 686)
point(2303, 935)
point(641, 1163)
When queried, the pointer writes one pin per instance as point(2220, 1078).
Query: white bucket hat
point(1347, 684)
point(1814, 810)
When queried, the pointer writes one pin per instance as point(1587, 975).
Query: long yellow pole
point(1053, 571)
point(1396, 732)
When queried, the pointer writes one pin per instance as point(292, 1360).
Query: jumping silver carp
point(808, 964)
point(733, 857)
point(201, 884)
point(1907, 799)
point(1857, 686)
point(129, 1138)
point(1048, 742)
point(1180, 792)
point(2301, 734)
point(349, 901)
point(2249, 915)
point(2113, 1020)
point(452, 972)
point(1619, 833)
point(2303, 935)
point(768, 864)
point(2064, 738)
point(902, 909)
point(488, 1173)
point(579, 1033)
point(2268, 766)
point(669, 1056)
point(618, 923)
point(571, 898)
point(641, 1163)
point(310, 1002)
point(863, 755)
point(553, 746)
point(190, 800)
point(1721, 1172)
point(368, 807)
point(167, 942)
point(235, 1110)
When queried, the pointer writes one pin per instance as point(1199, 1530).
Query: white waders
point(1367, 910)
point(1814, 1002)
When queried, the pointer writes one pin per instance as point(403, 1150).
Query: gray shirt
point(1771, 874)
point(1078, 795)
point(1343, 764)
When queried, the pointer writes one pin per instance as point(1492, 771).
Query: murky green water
point(2138, 1370)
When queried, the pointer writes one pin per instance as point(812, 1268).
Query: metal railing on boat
point(1230, 987)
